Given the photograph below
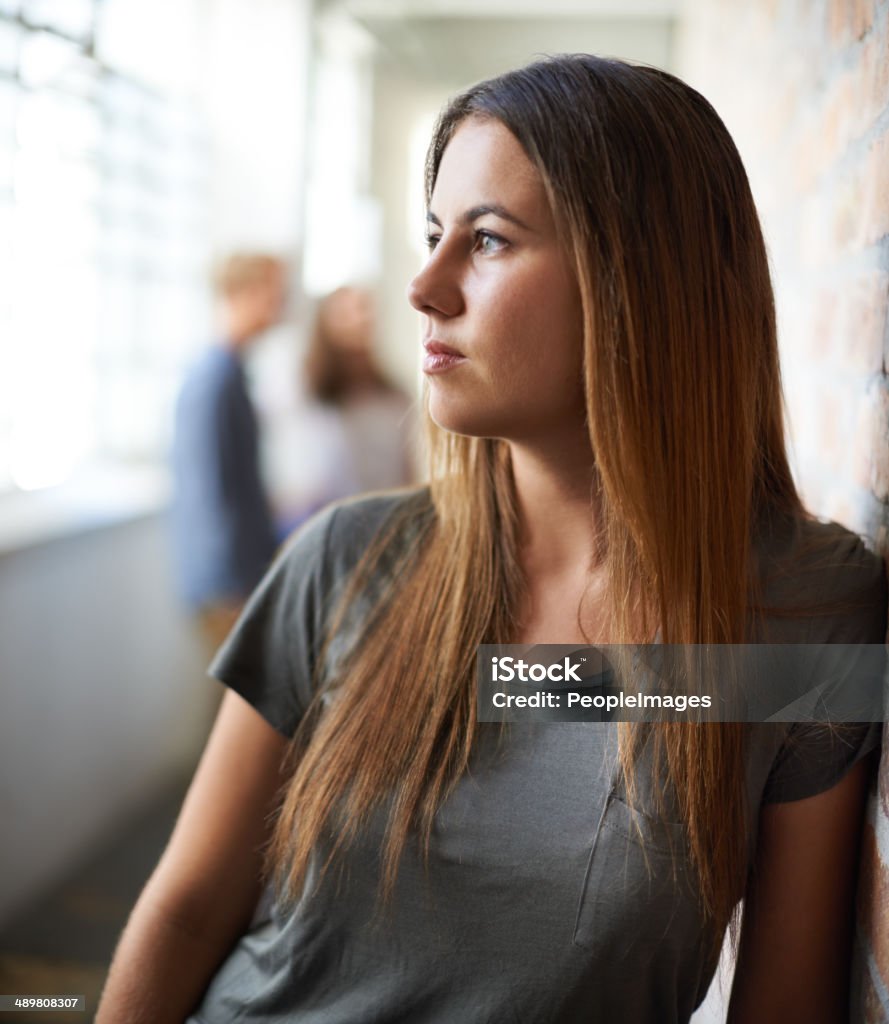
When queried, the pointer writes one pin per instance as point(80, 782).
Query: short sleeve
point(816, 756)
point(269, 657)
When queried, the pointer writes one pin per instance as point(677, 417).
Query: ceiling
point(582, 9)
point(463, 50)
point(455, 42)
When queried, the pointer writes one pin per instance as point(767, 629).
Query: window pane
point(103, 228)
point(10, 42)
point(69, 17)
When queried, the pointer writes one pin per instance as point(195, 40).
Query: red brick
point(863, 322)
point(861, 17)
point(870, 459)
point(838, 503)
point(873, 899)
point(871, 82)
point(774, 120)
point(860, 199)
point(848, 20)
point(876, 199)
point(838, 119)
point(863, 455)
point(816, 147)
point(850, 201)
point(828, 316)
point(883, 776)
point(879, 480)
point(871, 1006)
point(796, 123)
point(836, 22)
point(879, 80)
point(830, 442)
point(815, 231)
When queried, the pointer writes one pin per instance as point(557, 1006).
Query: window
point(103, 247)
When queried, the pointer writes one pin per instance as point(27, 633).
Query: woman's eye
point(487, 242)
point(431, 241)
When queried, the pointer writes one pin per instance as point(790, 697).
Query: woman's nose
point(435, 289)
point(415, 293)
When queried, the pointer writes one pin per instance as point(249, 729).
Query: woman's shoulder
point(339, 534)
point(827, 574)
point(366, 513)
point(271, 655)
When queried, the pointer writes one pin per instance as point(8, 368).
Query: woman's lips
point(440, 357)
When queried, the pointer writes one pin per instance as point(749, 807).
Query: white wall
point(102, 691)
point(253, 85)
point(402, 106)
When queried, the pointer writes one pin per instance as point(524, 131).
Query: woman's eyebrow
point(479, 211)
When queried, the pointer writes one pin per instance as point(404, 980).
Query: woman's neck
point(558, 508)
point(563, 600)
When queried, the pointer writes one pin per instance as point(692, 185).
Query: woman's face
point(498, 291)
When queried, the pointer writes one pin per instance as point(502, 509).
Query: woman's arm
point(796, 938)
point(203, 892)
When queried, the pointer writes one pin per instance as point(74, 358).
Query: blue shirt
point(223, 532)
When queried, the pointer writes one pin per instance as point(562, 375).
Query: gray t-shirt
point(538, 906)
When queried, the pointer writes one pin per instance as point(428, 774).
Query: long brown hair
point(685, 418)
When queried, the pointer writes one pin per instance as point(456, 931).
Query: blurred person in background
point(360, 429)
point(223, 531)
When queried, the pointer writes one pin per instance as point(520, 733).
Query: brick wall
point(803, 86)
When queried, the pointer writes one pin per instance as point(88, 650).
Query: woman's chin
point(462, 421)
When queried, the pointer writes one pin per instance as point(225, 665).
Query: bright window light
point(103, 245)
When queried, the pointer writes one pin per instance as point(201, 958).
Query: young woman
point(607, 463)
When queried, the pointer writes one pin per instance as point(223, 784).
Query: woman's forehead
point(484, 163)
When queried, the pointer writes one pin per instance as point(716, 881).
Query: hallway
point(62, 945)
